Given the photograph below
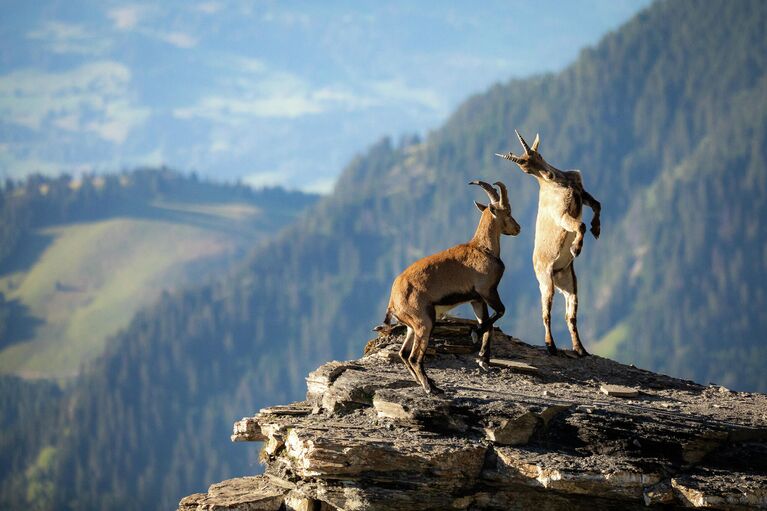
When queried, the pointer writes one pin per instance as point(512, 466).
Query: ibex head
point(531, 162)
point(499, 207)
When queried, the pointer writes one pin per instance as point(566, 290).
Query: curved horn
point(509, 156)
point(489, 189)
point(504, 193)
point(522, 141)
point(536, 142)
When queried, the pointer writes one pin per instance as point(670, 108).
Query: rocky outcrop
point(558, 433)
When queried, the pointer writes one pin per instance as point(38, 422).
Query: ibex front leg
point(492, 299)
point(571, 224)
point(596, 207)
point(482, 315)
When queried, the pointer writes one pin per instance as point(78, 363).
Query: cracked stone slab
point(577, 475)
point(618, 391)
point(716, 489)
point(514, 365)
point(240, 494)
point(247, 429)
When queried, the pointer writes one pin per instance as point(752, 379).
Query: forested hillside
point(79, 256)
point(30, 412)
point(666, 119)
point(40, 201)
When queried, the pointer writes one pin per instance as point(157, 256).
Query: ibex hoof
point(551, 349)
point(581, 351)
point(474, 336)
point(483, 363)
point(575, 250)
point(434, 390)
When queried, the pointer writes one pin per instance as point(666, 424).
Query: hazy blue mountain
point(268, 92)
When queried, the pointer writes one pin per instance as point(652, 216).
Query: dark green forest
point(33, 414)
point(40, 201)
point(667, 120)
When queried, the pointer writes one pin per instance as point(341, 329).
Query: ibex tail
point(385, 327)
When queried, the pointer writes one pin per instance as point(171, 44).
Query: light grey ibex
point(464, 273)
point(558, 234)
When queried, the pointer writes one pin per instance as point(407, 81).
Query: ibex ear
point(536, 142)
point(480, 207)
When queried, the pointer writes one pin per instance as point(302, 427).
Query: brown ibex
point(464, 273)
point(558, 234)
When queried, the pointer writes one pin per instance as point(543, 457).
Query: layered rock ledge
point(558, 433)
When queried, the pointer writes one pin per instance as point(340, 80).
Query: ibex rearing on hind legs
point(558, 234)
point(435, 284)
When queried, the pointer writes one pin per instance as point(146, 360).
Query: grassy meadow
point(83, 282)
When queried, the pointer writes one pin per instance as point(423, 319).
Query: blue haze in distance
point(266, 92)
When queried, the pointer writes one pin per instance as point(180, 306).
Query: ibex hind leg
point(416, 359)
point(492, 299)
point(407, 350)
point(567, 283)
point(546, 285)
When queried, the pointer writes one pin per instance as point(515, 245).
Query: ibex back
point(558, 234)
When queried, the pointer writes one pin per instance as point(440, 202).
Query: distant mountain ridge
point(257, 93)
point(666, 119)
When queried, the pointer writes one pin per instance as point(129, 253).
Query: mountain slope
point(98, 249)
point(30, 411)
point(700, 250)
point(648, 115)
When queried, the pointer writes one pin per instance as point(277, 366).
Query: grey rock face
point(554, 433)
point(243, 493)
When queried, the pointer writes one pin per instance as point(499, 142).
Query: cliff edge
point(557, 433)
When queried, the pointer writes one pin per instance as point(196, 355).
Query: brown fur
point(559, 235)
point(469, 272)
